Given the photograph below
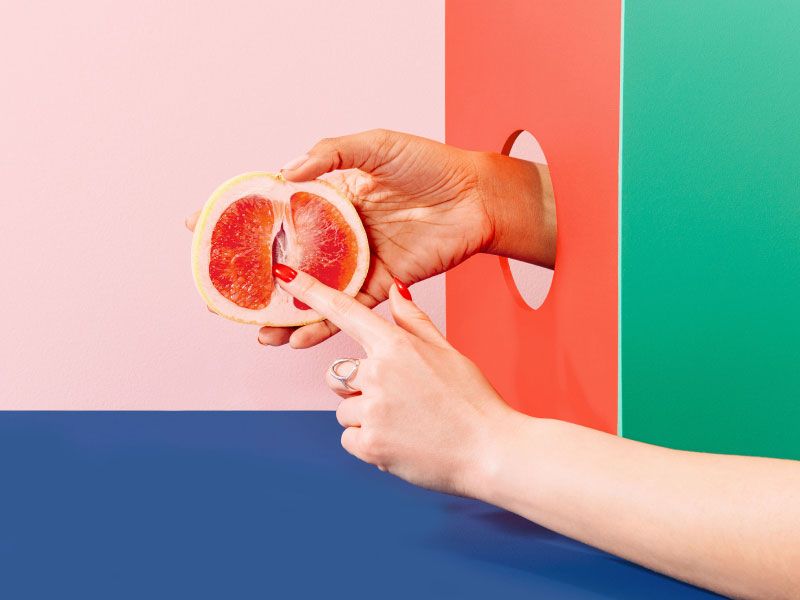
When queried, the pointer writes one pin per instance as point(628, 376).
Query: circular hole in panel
point(531, 282)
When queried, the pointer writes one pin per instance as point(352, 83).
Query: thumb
point(365, 151)
point(411, 318)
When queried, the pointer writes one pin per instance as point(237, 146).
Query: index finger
point(344, 311)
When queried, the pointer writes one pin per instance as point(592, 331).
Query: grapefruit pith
point(257, 219)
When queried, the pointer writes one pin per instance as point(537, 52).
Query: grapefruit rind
point(280, 312)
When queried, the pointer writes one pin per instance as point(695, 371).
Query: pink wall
point(117, 120)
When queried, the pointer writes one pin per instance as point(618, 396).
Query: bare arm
point(419, 409)
point(519, 201)
point(727, 523)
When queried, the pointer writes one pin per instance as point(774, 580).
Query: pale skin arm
point(424, 412)
point(727, 523)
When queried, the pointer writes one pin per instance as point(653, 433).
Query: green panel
point(711, 225)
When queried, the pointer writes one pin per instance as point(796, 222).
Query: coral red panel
point(551, 68)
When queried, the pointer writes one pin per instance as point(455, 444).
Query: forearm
point(727, 523)
point(518, 199)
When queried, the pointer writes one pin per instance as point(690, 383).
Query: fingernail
point(283, 272)
point(301, 305)
point(401, 287)
point(264, 339)
point(295, 163)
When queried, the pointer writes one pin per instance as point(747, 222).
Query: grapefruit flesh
point(240, 265)
point(319, 226)
point(258, 219)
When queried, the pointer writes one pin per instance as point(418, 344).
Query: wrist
point(517, 197)
point(493, 453)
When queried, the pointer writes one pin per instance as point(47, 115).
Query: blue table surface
point(260, 505)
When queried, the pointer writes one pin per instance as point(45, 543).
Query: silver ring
point(343, 379)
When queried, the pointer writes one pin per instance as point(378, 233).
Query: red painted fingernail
point(301, 305)
point(283, 272)
point(401, 287)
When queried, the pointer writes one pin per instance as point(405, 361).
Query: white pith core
point(280, 311)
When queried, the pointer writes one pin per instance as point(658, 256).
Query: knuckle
point(367, 410)
point(388, 143)
point(398, 341)
point(325, 144)
point(341, 303)
point(420, 319)
point(305, 285)
point(373, 409)
point(380, 134)
point(390, 347)
point(330, 328)
point(370, 445)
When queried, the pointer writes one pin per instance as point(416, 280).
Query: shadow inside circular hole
point(531, 282)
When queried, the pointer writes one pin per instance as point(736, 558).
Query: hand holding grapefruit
point(423, 204)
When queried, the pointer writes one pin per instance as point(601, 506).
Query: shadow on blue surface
point(255, 505)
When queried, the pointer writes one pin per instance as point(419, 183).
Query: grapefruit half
point(257, 219)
